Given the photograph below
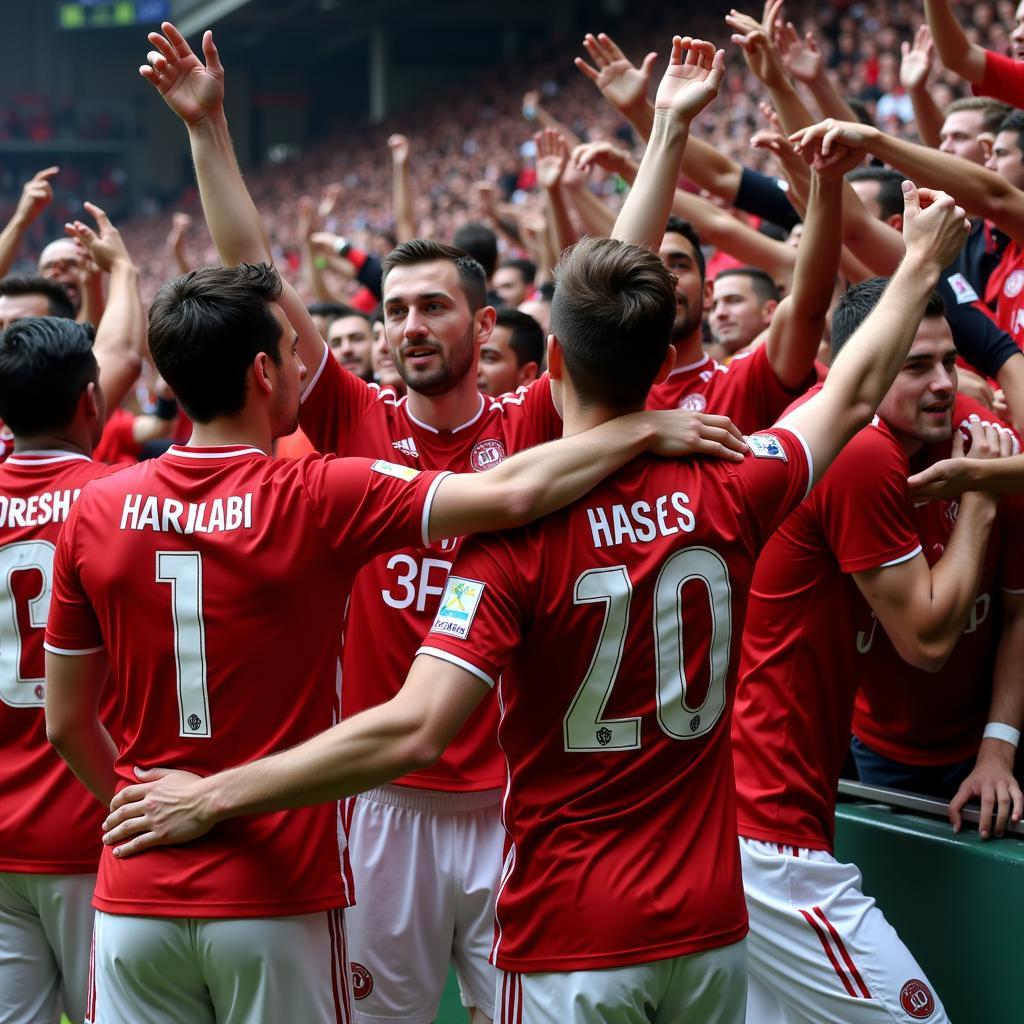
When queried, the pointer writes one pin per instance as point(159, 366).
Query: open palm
point(190, 88)
point(621, 83)
point(690, 84)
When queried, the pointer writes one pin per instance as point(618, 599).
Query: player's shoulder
point(513, 402)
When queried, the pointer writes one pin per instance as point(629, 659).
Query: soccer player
point(614, 629)
point(210, 582)
point(51, 400)
point(847, 564)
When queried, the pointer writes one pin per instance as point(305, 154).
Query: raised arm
point(980, 191)
point(955, 50)
point(121, 333)
point(915, 66)
point(180, 223)
point(552, 156)
point(36, 195)
point(686, 88)
point(195, 92)
point(866, 367)
point(401, 190)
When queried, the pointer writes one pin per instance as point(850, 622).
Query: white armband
point(1001, 731)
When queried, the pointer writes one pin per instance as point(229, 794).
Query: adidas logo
point(407, 446)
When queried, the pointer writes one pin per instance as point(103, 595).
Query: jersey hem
point(802, 840)
point(186, 907)
point(881, 560)
point(918, 759)
point(624, 958)
point(71, 653)
point(36, 867)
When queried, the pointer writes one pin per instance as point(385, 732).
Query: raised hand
point(330, 195)
point(934, 227)
point(803, 59)
point(829, 141)
point(36, 195)
point(180, 222)
point(552, 156)
point(621, 83)
point(399, 146)
point(191, 89)
point(758, 49)
point(105, 247)
point(916, 63)
point(307, 218)
point(690, 84)
point(605, 155)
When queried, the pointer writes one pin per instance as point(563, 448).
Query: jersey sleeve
point(864, 507)
point(369, 507)
point(333, 402)
point(764, 196)
point(72, 626)
point(751, 394)
point(530, 415)
point(1003, 79)
point(478, 623)
point(775, 476)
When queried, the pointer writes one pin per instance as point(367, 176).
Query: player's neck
point(227, 431)
point(450, 410)
point(52, 443)
point(576, 419)
point(911, 445)
point(689, 350)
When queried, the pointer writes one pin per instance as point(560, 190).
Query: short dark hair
point(1014, 122)
point(207, 327)
point(344, 311)
point(890, 187)
point(55, 294)
point(853, 308)
point(993, 112)
point(330, 310)
point(526, 339)
point(45, 364)
point(472, 277)
point(480, 242)
point(860, 110)
point(612, 313)
point(527, 268)
point(764, 287)
point(678, 226)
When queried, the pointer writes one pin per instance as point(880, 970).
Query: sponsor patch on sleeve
point(390, 469)
point(766, 446)
point(459, 603)
point(962, 289)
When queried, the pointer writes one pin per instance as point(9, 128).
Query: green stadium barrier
point(957, 902)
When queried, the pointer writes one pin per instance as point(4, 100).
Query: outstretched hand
point(552, 156)
point(191, 89)
point(105, 247)
point(916, 62)
point(166, 807)
point(603, 154)
point(36, 195)
point(621, 83)
point(690, 83)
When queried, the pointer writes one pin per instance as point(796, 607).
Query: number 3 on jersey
point(183, 570)
point(584, 727)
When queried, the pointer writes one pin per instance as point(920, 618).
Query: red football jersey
point(936, 718)
point(612, 630)
point(807, 626)
point(1005, 288)
point(397, 595)
point(118, 445)
point(51, 821)
point(747, 390)
point(215, 578)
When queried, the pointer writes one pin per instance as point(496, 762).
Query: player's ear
point(260, 373)
point(667, 365)
point(555, 364)
point(485, 320)
point(528, 372)
point(709, 295)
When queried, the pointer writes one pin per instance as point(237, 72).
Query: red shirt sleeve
point(117, 443)
point(750, 393)
point(1003, 79)
point(72, 627)
point(775, 477)
point(530, 415)
point(863, 504)
point(479, 624)
point(333, 402)
point(369, 507)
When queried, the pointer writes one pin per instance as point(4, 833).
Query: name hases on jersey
point(51, 821)
point(583, 622)
point(398, 594)
point(806, 622)
point(747, 390)
point(936, 718)
point(216, 579)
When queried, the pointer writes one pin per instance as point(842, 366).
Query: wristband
point(1001, 731)
point(342, 246)
point(166, 409)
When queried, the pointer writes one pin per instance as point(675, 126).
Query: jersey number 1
point(183, 570)
point(585, 728)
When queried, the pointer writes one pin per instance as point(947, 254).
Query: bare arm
point(401, 190)
point(1011, 382)
point(552, 156)
point(952, 477)
point(992, 781)
point(36, 195)
point(955, 50)
point(540, 480)
point(866, 367)
point(121, 333)
point(597, 220)
point(73, 686)
point(176, 242)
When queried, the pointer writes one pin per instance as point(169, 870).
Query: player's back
point(619, 620)
point(216, 578)
point(51, 821)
